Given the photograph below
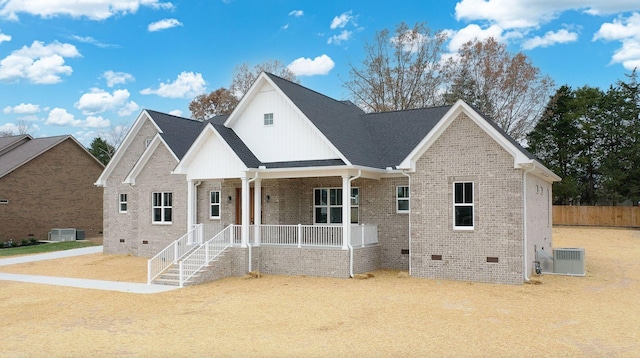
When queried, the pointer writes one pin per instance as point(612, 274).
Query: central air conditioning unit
point(569, 261)
point(62, 235)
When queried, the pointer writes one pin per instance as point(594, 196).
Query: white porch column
point(244, 236)
point(257, 209)
point(346, 211)
point(190, 209)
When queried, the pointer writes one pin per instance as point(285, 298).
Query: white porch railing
point(172, 253)
point(204, 254)
point(310, 235)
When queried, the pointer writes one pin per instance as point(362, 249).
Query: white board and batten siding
point(214, 159)
point(292, 137)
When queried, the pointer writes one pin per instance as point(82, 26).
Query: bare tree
point(503, 86)
point(402, 71)
point(220, 101)
point(21, 127)
point(243, 76)
point(224, 101)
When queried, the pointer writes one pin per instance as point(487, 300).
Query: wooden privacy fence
point(619, 216)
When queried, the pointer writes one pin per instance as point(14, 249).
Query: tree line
point(591, 138)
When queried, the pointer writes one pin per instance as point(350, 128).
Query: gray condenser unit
point(569, 261)
point(62, 235)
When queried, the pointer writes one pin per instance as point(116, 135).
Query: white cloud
point(4, 37)
point(509, 14)
point(92, 9)
point(129, 108)
point(117, 78)
point(176, 112)
point(296, 13)
point(320, 65)
point(473, 32)
point(60, 117)
point(98, 101)
point(627, 31)
point(23, 108)
point(92, 41)
point(342, 20)
point(96, 122)
point(38, 63)
point(550, 38)
point(163, 25)
point(337, 39)
point(187, 85)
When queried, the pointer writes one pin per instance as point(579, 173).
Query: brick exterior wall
point(539, 219)
point(133, 232)
point(465, 152)
point(54, 190)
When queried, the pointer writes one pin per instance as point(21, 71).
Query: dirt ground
point(389, 315)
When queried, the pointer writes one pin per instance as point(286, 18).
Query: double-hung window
point(122, 203)
point(402, 199)
point(162, 205)
point(327, 205)
point(214, 201)
point(463, 205)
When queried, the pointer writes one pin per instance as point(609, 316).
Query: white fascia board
point(541, 171)
point(251, 93)
point(207, 132)
point(128, 139)
point(409, 163)
point(144, 159)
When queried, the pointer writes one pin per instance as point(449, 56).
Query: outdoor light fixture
point(229, 198)
point(268, 198)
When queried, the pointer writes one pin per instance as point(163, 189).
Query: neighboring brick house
point(47, 183)
point(305, 184)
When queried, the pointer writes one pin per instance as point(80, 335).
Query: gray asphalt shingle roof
point(376, 140)
point(19, 150)
point(178, 132)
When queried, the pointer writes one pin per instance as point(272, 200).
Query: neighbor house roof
point(16, 151)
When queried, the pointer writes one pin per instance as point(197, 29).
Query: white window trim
point(472, 205)
point(218, 204)
point(329, 206)
point(398, 199)
point(270, 119)
point(125, 202)
point(162, 207)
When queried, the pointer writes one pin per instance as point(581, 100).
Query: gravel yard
point(388, 315)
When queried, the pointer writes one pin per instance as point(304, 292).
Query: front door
point(239, 206)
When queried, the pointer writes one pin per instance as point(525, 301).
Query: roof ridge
point(310, 90)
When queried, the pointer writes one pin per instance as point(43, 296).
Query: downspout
point(524, 213)
point(409, 178)
point(195, 210)
point(349, 241)
point(249, 241)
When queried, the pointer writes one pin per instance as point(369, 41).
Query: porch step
point(171, 276)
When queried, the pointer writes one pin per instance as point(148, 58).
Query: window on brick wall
point(463, 206)
point(214, 202)
point(122, 203)
point(402, 199)
point(162, 206)
point(327, 206)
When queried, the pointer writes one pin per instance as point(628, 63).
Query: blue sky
point(84, 67)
